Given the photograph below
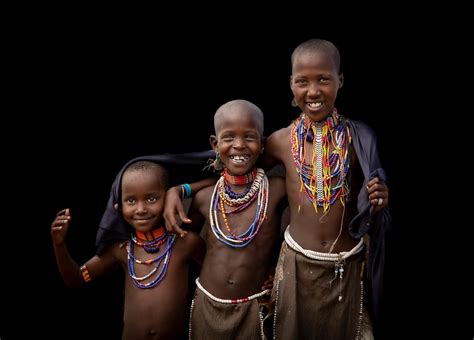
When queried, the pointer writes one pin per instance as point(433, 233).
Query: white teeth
point(315, 105)
point(239, 158)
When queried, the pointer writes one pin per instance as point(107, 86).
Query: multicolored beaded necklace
point(222, 196)
point(324, 180)
point(240, 180)
point(151, 246)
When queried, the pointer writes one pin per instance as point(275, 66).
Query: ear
point(116, 206)
point(341, 80)
point(213, 142)
point(264, 141)
point(291, 83)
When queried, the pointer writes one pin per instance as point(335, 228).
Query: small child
point(242, 229)
point(156, 261)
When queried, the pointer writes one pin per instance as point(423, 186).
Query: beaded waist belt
point(322, 256)
point(231, 301)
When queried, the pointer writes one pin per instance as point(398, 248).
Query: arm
point(174, 205)
point(68, 268)
point(71, 273)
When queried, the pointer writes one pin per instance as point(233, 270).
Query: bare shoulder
point(275, 146)
point(190, 242)
point(191, 239)
point(277, 186)
point(277, 140)
point(203, 197)
point(193, 246)
point(279, 134)
point(117, 252)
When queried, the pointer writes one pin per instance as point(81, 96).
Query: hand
point(60, 226)
point(173, 207)
point(378, 194)
point(268, 284)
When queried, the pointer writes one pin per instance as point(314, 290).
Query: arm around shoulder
point(174, 203)
point(272, 151)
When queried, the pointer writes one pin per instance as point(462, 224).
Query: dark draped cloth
point(378, 225)
point(182, 167)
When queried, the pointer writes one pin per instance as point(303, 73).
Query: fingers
point(182, 215)
point(62, 219)
point(172, 225)
point(181, 232)
point(378, 194)
point(268, 284)
point(173, 207)
point(62, 212)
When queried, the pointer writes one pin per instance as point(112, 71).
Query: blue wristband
point(187, 190)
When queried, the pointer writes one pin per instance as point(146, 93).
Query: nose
point(313, 89)
point(141, 208)
point(239, 143)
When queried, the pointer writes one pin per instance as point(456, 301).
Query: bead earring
point(216, 164)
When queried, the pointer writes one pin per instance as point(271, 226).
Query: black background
point(87, 95)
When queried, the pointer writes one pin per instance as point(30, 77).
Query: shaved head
point(239, 106)
point(314, 46)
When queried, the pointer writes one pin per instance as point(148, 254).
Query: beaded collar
point(150, 240)
point(324, 179)
point(240, 180)
point(150, 235)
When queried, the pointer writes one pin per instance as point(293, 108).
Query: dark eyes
point(231, 138)
point(303, 82)
point(150, 200)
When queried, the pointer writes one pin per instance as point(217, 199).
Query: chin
point(316, 116)
point(239, 171)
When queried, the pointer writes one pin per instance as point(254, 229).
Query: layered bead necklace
point(324, 180)
point(151, 244)
point(222, 196)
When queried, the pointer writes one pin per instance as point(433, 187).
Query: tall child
point(336, 195)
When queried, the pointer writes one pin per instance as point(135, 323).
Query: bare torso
point(309, 229)
point(228, 272)
point(158, 312)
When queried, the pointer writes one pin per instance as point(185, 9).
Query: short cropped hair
point(237, 104)
point(318, 45)
point(152, 166)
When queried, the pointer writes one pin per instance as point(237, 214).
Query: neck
point(150, 235)
point(240, 180)
point(331, 120)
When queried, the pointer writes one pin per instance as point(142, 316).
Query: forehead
point(142, 179)
point(238, 118)
point(317, 61)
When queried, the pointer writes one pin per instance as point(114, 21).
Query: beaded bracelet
point(85, 273)
point(186, 191)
